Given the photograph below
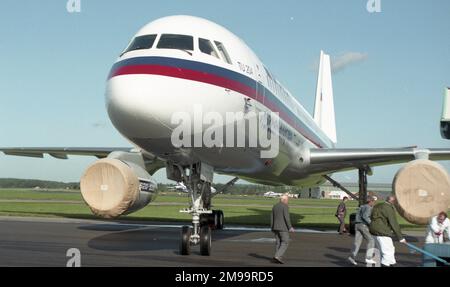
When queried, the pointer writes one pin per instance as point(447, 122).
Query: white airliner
point(180, 186)
point(272, 194)
point(175, 62)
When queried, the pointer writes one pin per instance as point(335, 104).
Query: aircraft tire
point(220, 220)
point(205, 240)
point(185, 244)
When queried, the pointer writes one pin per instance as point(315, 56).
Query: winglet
point(324, 106)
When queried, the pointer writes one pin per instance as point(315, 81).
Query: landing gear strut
point(362, 194)
point(197, 178)
point(362, 173)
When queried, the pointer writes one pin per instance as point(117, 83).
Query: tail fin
point(324, 106)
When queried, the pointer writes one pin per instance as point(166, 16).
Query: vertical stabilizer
point(324, 105)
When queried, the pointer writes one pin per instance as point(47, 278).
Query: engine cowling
point(112, 187)
point(422, 189)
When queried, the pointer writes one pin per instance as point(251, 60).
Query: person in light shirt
point(438, 225)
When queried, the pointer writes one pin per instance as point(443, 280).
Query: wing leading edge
point(152, 163)
point(62, 152)
point(333, 160)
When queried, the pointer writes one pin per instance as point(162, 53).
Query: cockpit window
point(223, 52)
point(207, 47)
point(173, 41)
point(141, 42)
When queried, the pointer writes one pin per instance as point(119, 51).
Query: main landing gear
point(198, 178)
point(363, 172)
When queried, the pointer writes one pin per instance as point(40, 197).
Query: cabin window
point(141, 42)
point(174, 41)
point(207, 47)
point(223, 52)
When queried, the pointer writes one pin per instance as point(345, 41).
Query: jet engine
point(112, 186)
point(422, 189)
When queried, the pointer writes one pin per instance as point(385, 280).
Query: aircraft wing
point(323, 161)
point(152, 162)
point(62, 152)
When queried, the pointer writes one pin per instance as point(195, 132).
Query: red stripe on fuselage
point(209, 79)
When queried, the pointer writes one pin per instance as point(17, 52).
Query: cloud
point(99, 125)
point(342, 61)
point(346, 59)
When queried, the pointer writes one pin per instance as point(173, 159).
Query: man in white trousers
point(438, 225)
point(383, 226)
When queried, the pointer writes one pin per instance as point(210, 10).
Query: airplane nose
point(133, 108)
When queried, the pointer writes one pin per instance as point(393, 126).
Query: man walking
point(362, 222)
point(340, 214)
point(281, 226)
point(384, 223)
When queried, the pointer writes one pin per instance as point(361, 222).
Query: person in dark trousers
point(281, 226)
point(341, 212)
point(362, 223)
point(383, 226)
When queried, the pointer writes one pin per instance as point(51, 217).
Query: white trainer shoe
point(353, 261)
point(371, 261)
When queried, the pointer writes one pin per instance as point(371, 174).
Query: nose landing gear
point(198, 183)
point(197, 179)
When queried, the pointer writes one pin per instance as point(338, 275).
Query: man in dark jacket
point(383, 225)
point(340, 214)
point(280, 223)
point(362, 222)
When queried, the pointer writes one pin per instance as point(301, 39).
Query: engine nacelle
point(112, 187)
point(422, 189)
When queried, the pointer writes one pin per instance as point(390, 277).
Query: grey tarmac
point(45, 241)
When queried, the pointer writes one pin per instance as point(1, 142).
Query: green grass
point(250, 210)
point(255, 200)
point(28, 194)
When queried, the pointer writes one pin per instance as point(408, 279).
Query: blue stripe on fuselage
point(229, 74)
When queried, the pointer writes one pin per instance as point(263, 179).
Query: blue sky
point(54, 64)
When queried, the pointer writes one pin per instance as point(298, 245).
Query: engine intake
point(422, 189)
point(112, 187)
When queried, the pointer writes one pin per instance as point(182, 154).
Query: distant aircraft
point(180, 186)
point(445, 119)
point(175, 63)
point(272, 194)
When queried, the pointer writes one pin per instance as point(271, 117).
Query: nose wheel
point(185, 244)
point(205, 240)
point(220, 221)
point(198, 183)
